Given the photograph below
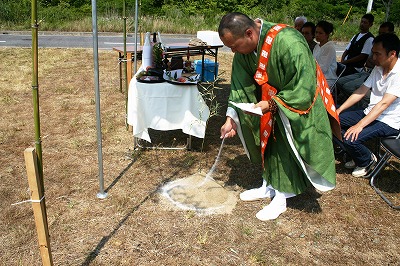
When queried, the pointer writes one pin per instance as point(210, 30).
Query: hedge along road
point(106, 41)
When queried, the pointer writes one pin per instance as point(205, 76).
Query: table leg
point(129, 67)
point(215, 63)
point(202, 64)
point(189, 143)
point(120, 58)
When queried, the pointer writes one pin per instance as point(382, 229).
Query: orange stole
point(268, 92)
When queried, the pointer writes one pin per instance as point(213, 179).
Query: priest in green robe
point(299, 152)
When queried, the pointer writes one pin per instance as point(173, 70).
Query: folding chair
point(391, 148)
point(339, 72)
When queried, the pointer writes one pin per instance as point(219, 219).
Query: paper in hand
point(248, 107)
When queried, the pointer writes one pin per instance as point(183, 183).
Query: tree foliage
point(274, 10)
point(15, 11)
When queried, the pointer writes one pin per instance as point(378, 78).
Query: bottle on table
point(147, 54)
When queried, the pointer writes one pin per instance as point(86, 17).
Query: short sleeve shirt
point(367, 45)
point(379, 87)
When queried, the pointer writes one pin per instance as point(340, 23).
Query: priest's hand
point(264, 105)
point(228, 130)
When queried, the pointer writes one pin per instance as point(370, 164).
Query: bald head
point(236, 23)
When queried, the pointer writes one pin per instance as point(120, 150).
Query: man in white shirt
point(348, 84)
point(358, 49)
point(382, 116)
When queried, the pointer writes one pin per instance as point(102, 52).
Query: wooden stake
point(38, 205)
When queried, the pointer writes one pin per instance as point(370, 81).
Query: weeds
point(208, 93)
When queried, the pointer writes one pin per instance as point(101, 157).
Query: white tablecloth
point(165, 106)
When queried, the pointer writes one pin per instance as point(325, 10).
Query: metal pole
point(102, 194)
point(126, 67)
point(369, 6)
point(136, 36)
point(135, 141)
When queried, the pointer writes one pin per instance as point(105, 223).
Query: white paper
point(248, 107)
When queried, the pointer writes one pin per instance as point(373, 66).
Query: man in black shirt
point(358, 49)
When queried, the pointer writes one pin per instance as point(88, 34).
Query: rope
point(31, 200)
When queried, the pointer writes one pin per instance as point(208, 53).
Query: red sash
point(268, 92)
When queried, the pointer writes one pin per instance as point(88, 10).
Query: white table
point(164, 106)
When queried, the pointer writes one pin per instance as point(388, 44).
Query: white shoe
point(362, 171)
point(258, 193)
point(274, 209)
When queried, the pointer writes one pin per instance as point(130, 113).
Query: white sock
point(258, 193)
point(275, 208)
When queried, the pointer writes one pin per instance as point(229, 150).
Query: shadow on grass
point(244, 173)
point(92, 256)
point(115, 181)
point(388, 180)
point(306, 202)
point(247, 175)
point(104, 240)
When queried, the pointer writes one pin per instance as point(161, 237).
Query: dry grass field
point(349, 225)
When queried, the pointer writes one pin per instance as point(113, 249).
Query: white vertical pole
point(369, 6)
point(136, 36)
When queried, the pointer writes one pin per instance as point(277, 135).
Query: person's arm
point(358, 58)
point(369, 63)
point(228, 130)
point(375, 112)
point(264, 105)
point(363, 56)
point(354, 98)
point(345, 53)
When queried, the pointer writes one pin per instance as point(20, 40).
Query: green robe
point(292, 71)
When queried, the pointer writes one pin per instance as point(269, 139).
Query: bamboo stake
point(348, 13)
point(33, 157)
point(35, 87)
point(38, 204)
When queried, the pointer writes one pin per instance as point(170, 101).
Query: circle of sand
point(201, 194)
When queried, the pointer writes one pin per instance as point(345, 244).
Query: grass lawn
point(350, 225)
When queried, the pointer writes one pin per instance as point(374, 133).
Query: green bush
point(15, 11)
point(189, 16)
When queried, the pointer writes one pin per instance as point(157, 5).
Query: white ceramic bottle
point(147, 55)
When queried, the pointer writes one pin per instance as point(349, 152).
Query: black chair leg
point(374, 174)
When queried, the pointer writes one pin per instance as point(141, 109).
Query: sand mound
point(199, 193)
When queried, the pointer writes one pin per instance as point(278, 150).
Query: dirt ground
point(350, 225)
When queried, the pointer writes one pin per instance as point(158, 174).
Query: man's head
point(238, 32)
point(386, 27)
point(366, 22)
point(385, 49)
point(299, 22)
point(308, 31)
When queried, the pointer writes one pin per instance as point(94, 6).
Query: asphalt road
point(77, 40)
point(84, 40)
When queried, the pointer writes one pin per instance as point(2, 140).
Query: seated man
point(356, 53)
point(308, 31)
point(348, 84)
point(381, 118)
